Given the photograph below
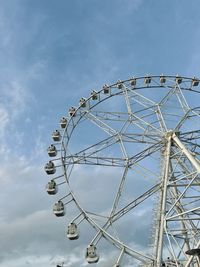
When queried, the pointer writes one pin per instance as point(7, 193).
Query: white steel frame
point(178, 212)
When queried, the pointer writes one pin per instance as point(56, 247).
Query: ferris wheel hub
point(169, 133)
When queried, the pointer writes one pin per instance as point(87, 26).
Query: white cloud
point(16, 97)
point(4, 119)
point(130, 5)
point(14, 102)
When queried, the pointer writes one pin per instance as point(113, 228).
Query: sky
point(52, 53)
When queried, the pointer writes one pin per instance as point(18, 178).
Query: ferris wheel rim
point(66, 136)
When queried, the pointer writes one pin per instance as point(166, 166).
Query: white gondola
point(72, 112)
point(116, 265)
point(52, 151)
point(51, 188)
point(106, 89)
point(195, 82)
point(82, 102)
point(178, 79)
point(63, 122)
point(50, 168)
point(56, 136)
point(119, 84)
point(91, 255)
point(147, 80)
point(72, 231)
point(59, 209)
point(94, 95)
point(162, 79)
point(133, 82)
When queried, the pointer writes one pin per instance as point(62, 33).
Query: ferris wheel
point(127, 162)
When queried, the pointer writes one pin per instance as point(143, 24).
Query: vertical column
point(163, 199)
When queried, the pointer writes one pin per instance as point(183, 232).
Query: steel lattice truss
point(142, 134)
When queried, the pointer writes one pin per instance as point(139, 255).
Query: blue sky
point(51, 54)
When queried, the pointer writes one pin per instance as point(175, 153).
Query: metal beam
point(165, 178)
point(187, 152)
